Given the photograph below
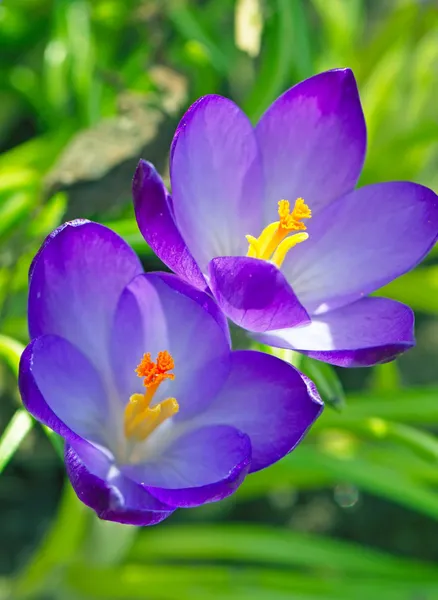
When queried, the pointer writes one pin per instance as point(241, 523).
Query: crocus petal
point(204, 465)
point(156, 223)
point(370, 331)
point(75, 284)
point(61, 388)
point(161, 312)
point(113, 496)
point(313, 141)
point(254, 294)
point(216, 178)
point(361, 242)
point(270, 401)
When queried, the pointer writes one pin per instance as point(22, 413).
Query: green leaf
point(15, 432)
point(56, 440)
point(128, 230)
point(217, 582)
point(418, 288)
point(421, 442)
point(411, 405)
point(285, 45)
point(10, 352)
point(249, 543)
point(339, 459)
point(59, 547)
point(326, 380)
point(186, 21)
point(14, 211)
point(386, 377)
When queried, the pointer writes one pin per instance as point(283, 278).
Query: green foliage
point(69, 65)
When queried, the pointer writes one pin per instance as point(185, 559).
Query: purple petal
point(160, 312)
point(122, 500)
point(313, 141)
point(370, 331)
point(156, 223)
point(75, 284)
point(270, 401)
point(254, 294)
point(113, 496)
point(361, 242)
point(205, 465)
point(61, 389)
point(216, 180)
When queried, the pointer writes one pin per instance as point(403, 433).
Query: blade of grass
point(185, 21)
point(418, 288)
point(128, 230)
point(10, 352)
point(338, 461)
point(193, 582)
point(248, 543)
point(15, 432)
point(58, 549)
point(421, 442)
point(413, 405)
point(284, 33)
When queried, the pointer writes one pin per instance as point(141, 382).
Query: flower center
point(274, 241)
point(140, 418)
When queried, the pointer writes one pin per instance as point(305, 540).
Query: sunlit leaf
point(248, 543)
point(15, 432)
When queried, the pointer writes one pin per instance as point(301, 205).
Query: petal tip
point(51, 236)
point(144, 172)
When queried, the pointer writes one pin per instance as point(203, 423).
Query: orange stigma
point(155, 373)
point(274, 242)
point(293, 220)
point(140, 418)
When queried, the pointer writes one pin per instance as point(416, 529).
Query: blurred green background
point(86, 88)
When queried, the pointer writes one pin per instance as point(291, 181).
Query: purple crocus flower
point(136, 373)
point(268, 219)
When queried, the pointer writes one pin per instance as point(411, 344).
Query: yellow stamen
point(284, 247)
point(273, 243)
point(140, 418)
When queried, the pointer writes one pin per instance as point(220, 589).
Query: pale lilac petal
point(370, 331)
point(216, 178)
point(61, 388)
point(254, 294)
point(156, 223)
point(75, 283)
point(113, 496)
point(160, 312)
point(361, 242)
point(313, 141)
point(204, 465)
point(270, 401)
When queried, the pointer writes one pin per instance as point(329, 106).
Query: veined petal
point(203, 465)
point(156, 223)
point(216, 177)
point(75, 283)
point(361, 242)
point(313, 141)
point(61, 388)
point(254, 294)
point(368, 332)
point(113, 496)
point(269, 400)
point(160, 312)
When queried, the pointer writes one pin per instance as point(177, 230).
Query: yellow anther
point(274, 243)
point(143, 420)
point(284, 247)
point(140, 419)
